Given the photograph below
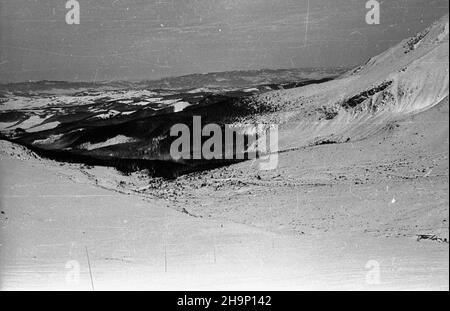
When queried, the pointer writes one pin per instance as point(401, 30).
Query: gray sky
point(149, 39)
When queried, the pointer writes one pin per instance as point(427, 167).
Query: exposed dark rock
point(360, 98)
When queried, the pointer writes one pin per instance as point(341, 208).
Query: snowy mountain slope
point(408, 78)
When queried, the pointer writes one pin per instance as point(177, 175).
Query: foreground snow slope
point(52, 220)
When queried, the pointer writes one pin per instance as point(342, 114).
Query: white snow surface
point(120, 139)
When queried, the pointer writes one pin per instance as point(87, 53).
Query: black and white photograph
point(224, 145)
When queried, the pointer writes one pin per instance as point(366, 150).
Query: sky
point(150, 39)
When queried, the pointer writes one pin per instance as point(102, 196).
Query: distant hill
point(216, 80)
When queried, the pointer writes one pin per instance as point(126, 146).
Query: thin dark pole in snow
point(90, 270)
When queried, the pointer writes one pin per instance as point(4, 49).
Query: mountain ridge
point(408, 78)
